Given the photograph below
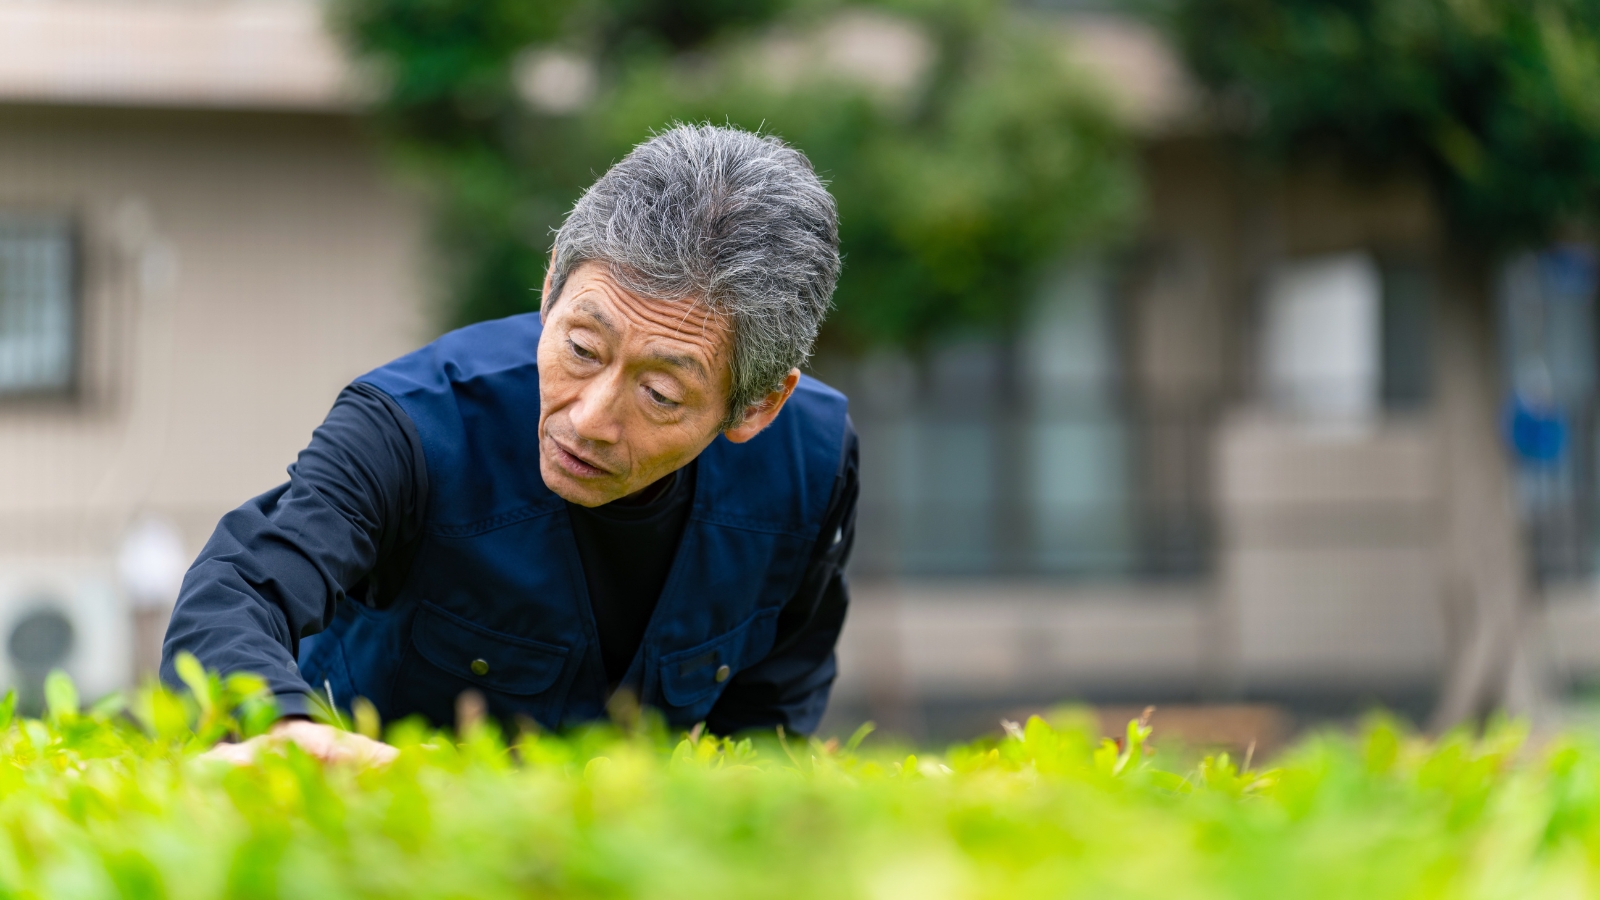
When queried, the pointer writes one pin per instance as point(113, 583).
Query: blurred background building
point(1236, 454)
point(197, 251)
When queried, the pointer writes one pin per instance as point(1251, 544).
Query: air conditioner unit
point(63, 615)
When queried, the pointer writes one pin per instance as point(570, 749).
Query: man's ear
point(761, 414)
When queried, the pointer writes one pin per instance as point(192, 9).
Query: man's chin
point(574, 490)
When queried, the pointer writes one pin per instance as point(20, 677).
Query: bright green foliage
point(954, 189)
point(95, 804)
point(1496, 102)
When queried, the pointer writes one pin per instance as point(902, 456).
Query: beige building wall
point(236, 270)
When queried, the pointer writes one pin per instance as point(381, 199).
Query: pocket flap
point(689, 676)
point(497, 661)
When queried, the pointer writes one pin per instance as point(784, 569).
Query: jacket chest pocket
point(692, 679)
point(450, 655)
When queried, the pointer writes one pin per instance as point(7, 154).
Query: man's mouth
point(577, 465)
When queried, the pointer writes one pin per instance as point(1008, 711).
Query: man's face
point(630, 388)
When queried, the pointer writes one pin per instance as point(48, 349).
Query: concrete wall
point(1329, 560)
point(236, 271)
point(947, 658)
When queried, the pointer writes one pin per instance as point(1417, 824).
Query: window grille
point(37, 309)
point(1032, 456)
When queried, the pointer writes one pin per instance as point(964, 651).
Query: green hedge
point(117, 803)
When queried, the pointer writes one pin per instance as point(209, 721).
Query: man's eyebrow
point(598, 316)
point(681, 361)
point(675, 360)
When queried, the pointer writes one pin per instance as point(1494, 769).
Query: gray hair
point(736, 220)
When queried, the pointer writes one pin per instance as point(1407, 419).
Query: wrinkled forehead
point(684, 333)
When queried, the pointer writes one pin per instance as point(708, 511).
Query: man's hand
point(324, 742)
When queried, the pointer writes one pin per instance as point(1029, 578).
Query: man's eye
point(580, 351)
point(660, 398)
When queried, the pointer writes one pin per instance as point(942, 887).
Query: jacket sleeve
point(275, 568)
point(790, 687)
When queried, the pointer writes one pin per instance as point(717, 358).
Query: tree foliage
point(955, 186)
point(1496, 101)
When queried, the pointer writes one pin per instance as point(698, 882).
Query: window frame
point(69, 391)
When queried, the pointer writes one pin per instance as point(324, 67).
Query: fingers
point(316, 740)
point(347, 747)
point(378, 753)
point(329, 744)
point(323, 742)
point(239, 754)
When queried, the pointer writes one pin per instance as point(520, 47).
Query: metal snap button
point(722, 674)
point(480, 667)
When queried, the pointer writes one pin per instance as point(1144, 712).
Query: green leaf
point(60, 696)
point(8, 708)
point(109, 705)
point(366, 718)
point(323, 711)
point(194, 676)
point(860, 735)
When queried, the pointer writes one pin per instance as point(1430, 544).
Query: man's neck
point(649, 492)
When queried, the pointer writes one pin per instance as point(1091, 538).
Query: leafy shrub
point(1493, 101)
point(108, 803)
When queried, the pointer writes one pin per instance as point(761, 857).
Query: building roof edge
point(204, 54)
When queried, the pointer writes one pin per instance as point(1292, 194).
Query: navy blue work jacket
point(493, 595)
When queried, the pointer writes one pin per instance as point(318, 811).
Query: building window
point(1322, 348)
point(1346, 337)
point(1551, 418)
point(1029, 454)
point(37, 308)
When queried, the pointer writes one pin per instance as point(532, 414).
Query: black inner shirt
point(627, 550)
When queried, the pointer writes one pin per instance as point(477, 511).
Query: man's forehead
point(682, 319)
point(590, 310)
point(679, 315)
point(674, 328)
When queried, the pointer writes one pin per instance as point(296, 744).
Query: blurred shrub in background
point(1495, 102)
point(963, 149)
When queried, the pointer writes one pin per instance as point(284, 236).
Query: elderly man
point(634, 489)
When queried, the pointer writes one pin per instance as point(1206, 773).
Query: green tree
point(1495, 102)
point(984, 159)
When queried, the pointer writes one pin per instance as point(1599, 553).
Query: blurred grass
point(109, 803)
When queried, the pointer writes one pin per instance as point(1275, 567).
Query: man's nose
point(594, 417)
